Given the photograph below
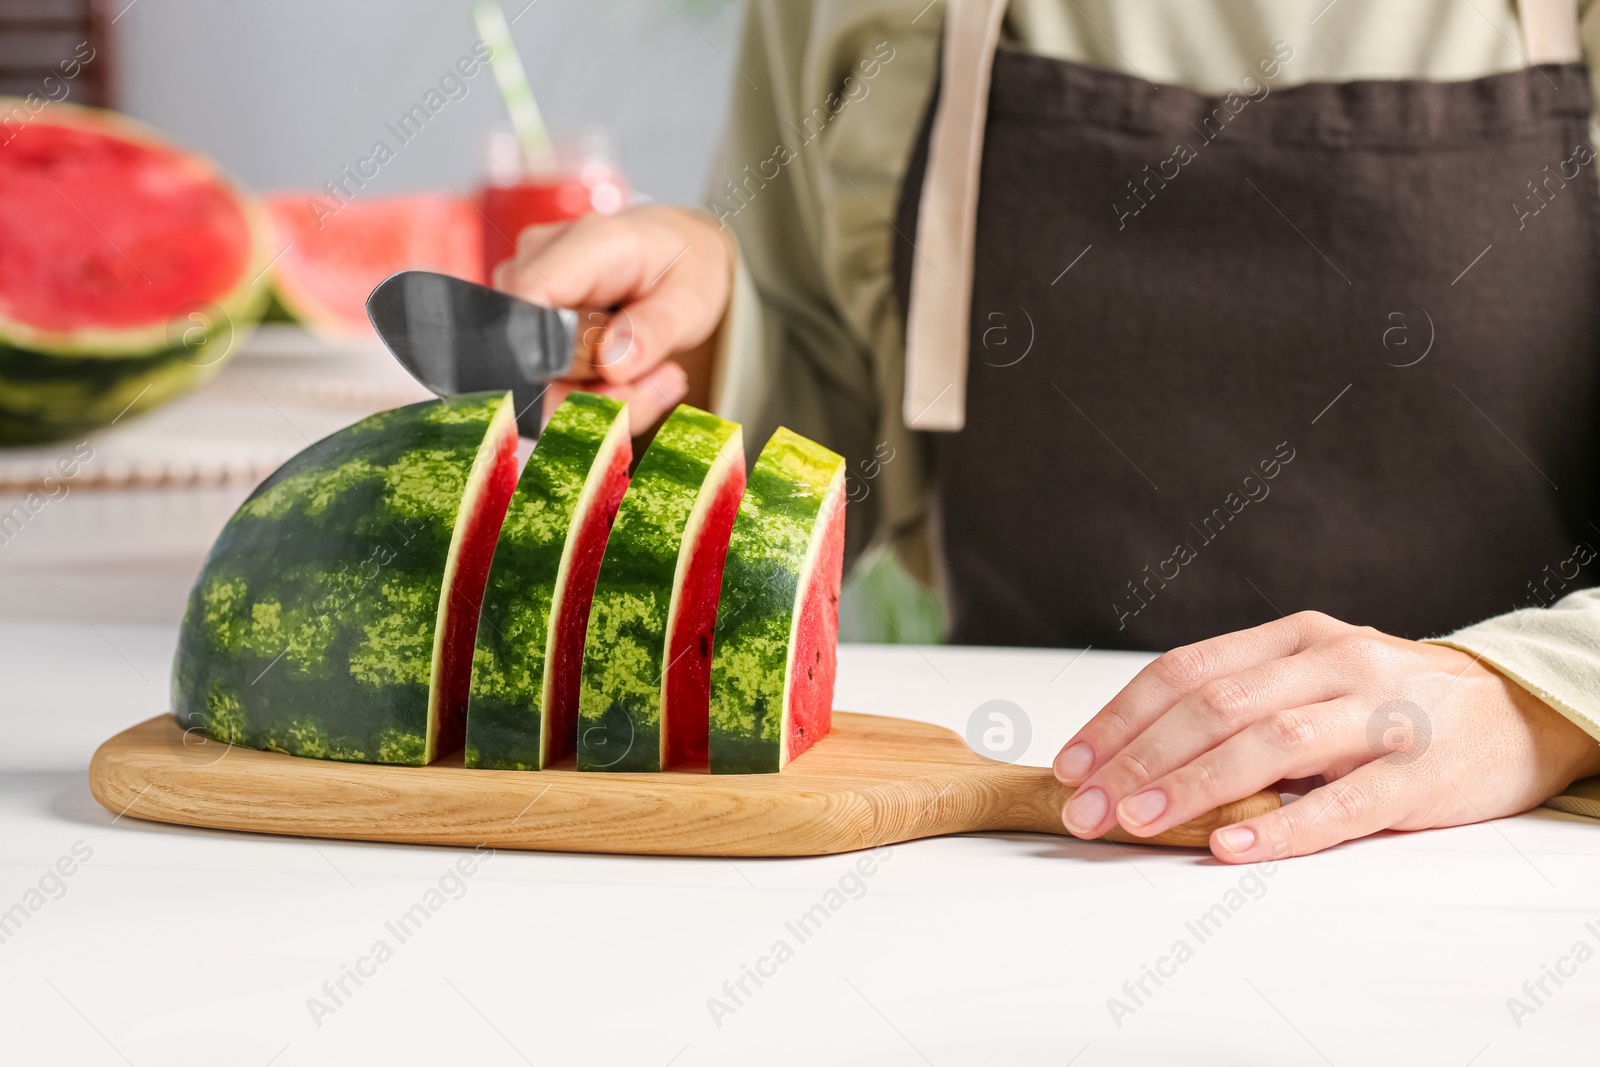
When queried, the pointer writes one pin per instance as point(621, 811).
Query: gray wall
point(286, 92)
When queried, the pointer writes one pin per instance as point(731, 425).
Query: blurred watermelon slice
point(329, 261)
point(110, 235)
point(129, 269)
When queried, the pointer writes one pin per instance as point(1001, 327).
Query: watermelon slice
point(128, 270)
point(777, 638)
point(526, 670)
point(336, 614)
point(331, 260)
point(647, 657)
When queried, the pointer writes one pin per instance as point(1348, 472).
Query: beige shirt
point(828, 97)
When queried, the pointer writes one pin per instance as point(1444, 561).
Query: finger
point(1207, 717)
point(602, 262)
point(1292, 743)
point(528, 244)
point(533, 239)
point(648, 397)
point(504, 277)
point(594, 332)
point(650, 329)
point(1175, 674)
point(1363, 802)
point(596, 261)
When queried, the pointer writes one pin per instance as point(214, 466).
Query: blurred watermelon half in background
point(335, 252)
point(129, 270)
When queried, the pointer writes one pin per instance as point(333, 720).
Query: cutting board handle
point(1030, 799)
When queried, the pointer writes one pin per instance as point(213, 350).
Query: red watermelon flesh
point(688, 682)
point(572, 621)
point(331, 260)
point(484, 506)
point(814, 648)
point(109, 233)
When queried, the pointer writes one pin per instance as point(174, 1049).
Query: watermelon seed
point(705, 647)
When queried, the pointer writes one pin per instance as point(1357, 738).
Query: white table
point(171, 946)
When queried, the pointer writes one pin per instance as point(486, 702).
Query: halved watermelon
point(647, 657)
point(336, 614)
point(128, 270)
point(777, 635)
point(332, 255)
point(46, 397)
point(526, 670)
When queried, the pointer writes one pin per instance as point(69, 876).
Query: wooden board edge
point(130, 776)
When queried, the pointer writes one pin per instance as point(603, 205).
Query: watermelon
point(647, 656)
point(335, 616)
point(777, 638)
point(523, 712)
point(46, 397)
point(129, 269)
point(333, 253)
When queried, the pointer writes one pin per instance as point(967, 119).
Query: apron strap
point(1550, 30)
point(940, 306)
point(941, 273)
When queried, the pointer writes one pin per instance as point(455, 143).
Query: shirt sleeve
point(825, 105)
point(1552, 652)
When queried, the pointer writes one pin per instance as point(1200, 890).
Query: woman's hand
point(1403, 736)
point(649, 282)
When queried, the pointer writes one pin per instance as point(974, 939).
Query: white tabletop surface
point(171, 946)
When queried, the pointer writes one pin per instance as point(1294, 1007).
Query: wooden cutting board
point(871, 781)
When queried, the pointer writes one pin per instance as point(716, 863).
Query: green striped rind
point(783, 509)
point(47, 397)
point(505, 719)
point(311, 629)
point(619, 707)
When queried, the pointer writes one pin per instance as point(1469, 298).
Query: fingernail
point(1142, 807)
point(616, 353)
point(1236, 838)
point(1074, 762)
point(1085, 810)
point(680, 382)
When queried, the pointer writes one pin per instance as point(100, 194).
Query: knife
point(456, 336)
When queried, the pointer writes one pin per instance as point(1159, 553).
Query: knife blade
point(456, 336)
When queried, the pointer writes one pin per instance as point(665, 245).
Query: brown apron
point(1331, 348)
